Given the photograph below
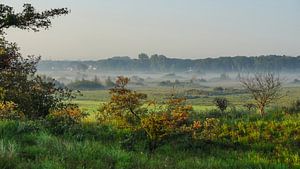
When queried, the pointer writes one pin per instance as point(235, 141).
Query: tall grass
point(92, 146)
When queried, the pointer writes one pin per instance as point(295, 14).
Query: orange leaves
point(175, 101)
point(72, 112)
point(175, 119)
point(196, 125)
point(130, 109)
point(208, 130)
point(125, 105)
point(69, 115)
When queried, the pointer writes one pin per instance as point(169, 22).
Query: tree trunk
point(152, 146)
point(262, 110)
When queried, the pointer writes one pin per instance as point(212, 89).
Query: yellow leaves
point(173, 120)
point(8, 110)
point(153, 127)
point(151, 103)
point(2, 50)
point(7, 106)
point(70, 114)
point(125, 106)
point(130, 109)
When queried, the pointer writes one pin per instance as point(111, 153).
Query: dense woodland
point(161, 63)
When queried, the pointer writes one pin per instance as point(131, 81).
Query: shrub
point(221, 103)
point(29, 126)
point(8, 110)
point(127, 109)
point(294, 107)
point(125, 106)
point(85, 85)
point(61, 120)
point(249, 106)
point(219, 89)
point(173, 120)
point(208, 130)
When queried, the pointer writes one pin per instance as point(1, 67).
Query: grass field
point(29, 145)
point(90, 101)
point(245, 140)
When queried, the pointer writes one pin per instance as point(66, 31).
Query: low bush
point(221, 103)
point(293, 108)
point(126, 109)
point(61, 120)
point(8, 110)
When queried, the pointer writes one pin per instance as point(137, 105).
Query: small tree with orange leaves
point(174, 119)
point(128, 109)
point(125, 108)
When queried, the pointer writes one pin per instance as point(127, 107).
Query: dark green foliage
point(85, 85)
point(249, 106)
point(28, 19)
point(221, 103)
point(218, 89)
point(166, 83)
point(34, 95)
point(161, 63)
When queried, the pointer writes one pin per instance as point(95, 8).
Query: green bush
point(85, 85)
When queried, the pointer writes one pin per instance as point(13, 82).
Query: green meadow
point(90, 145)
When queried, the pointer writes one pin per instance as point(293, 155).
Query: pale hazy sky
point(98, 29)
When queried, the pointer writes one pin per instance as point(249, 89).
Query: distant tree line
point(161, 63)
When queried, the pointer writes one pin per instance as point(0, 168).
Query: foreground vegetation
point(228, 137)
point(240, 140)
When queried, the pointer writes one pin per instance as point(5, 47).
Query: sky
point(97, 29)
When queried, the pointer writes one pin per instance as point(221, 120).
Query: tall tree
point(34, 96)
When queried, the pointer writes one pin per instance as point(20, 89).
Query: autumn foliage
point(125, 107)
point(60, 120)
point(131, 110)
point(8, 110)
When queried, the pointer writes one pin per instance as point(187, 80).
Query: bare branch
point(264, 88)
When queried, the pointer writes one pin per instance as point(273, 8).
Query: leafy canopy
point(28, 18)
point(33, 95)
